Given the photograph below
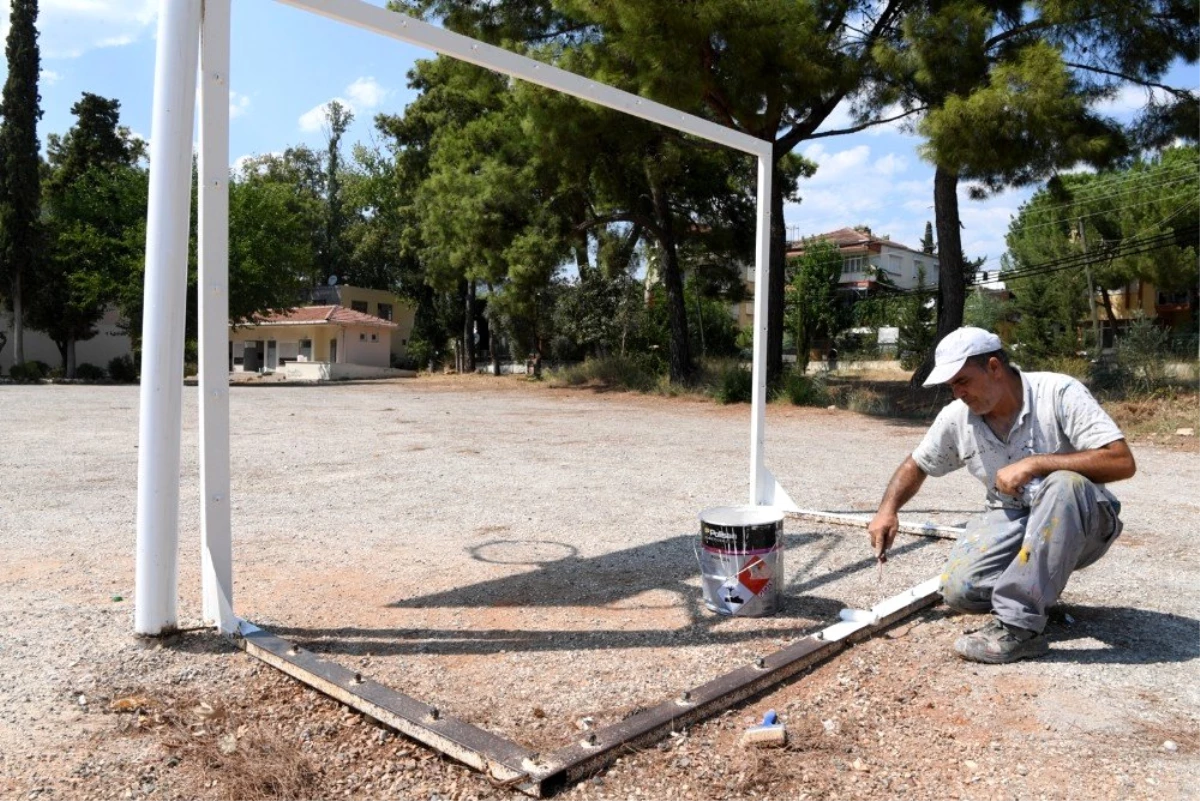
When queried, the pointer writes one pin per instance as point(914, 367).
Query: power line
point(1130, 246)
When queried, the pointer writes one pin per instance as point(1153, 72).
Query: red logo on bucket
point(755, 576)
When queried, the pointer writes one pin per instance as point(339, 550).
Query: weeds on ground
point(867, 401)
point(1160, 413)
point(804, 390)
point(732, 383)
point(246, 760)
point(638, 372)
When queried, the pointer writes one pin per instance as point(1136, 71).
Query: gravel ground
point(522, 557)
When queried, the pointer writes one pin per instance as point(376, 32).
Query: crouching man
point(1044, 449)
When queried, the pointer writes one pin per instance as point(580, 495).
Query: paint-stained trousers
point(1016, 562)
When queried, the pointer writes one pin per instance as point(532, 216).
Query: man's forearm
point(905, 482)
point(1113, 462)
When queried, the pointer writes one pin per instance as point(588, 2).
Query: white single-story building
point(313, 343)
point(110, 342)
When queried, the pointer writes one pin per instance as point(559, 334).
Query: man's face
point(980, 388)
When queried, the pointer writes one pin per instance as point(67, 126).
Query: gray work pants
point(1016, 562)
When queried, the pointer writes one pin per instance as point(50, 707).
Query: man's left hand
point(1010, 479)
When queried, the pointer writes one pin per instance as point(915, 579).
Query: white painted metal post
point(216, 550)
point(406, 29)
point(761, 484)
point(156, 578)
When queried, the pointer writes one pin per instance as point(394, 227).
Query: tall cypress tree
point(20, 191)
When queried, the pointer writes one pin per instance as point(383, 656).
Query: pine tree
point(19, 164)
point(927, 242)
point(92, 231)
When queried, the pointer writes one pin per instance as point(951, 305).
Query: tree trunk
point(778, 283)
point(468, 354)
point(493, 332)
point(69, 367)
point(1106, 299)
point(18, 318)
point(952, 280)
point(680, 357)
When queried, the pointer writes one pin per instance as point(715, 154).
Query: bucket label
point(747, 585)
point(741, 584)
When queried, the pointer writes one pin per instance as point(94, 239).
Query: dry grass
point(1159, 416)
point(210, 741)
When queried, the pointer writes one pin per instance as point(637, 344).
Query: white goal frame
point(199, 30)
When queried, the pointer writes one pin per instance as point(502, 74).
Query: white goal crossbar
point(191, 30)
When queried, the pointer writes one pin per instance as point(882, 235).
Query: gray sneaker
point(998, 643)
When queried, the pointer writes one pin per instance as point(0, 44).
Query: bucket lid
point(741, 515)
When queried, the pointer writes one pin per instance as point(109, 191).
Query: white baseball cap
point(958, 346)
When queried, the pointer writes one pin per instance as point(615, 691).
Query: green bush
point(1143, 350)
point(734, 385)
point(1138, 364)
point(89, 372)
point(123, 370)
point(804, 390)
point(638, 372)
point(1108, 374)
point(27, 373)
point(868, 401)
point(1076, 366)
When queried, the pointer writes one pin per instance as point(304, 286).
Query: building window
point(306, 350)
point(359, 306)
point(385, 311)
point(362, 337)
point(374, 337)
point(852, 264)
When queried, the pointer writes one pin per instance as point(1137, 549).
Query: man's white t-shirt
point(1058, 415)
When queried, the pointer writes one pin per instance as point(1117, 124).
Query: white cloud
point(362, 95)
point(891, 164)
point(312, 120)
point(70, 28)
point(1126, 101)
point(366, 93)
point(49, 77)
point(239, 104)
point(834, 168)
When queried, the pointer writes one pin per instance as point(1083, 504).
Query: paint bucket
point(741, 559)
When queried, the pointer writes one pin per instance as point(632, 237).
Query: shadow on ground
point(1126, 636)
point(613, 580)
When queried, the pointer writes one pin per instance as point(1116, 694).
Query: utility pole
point(1091, 289)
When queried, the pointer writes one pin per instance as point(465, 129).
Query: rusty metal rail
point(516, 766)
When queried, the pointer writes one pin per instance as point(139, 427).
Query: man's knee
point(1063, 483)
point(962, 595)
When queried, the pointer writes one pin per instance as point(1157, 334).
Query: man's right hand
point(883, 530)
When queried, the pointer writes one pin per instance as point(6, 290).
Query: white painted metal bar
point(885, 612)
point(406, 29)
point(762, 484)
point(925, 529)
point(161, 401)
point(216, 550)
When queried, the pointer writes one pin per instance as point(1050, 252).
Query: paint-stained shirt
point(1058, 415)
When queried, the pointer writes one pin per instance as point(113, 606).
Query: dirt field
point(522, 557)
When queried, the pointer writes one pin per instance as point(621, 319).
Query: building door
point(252, 356)
point(272, 355)
point(332, 351)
